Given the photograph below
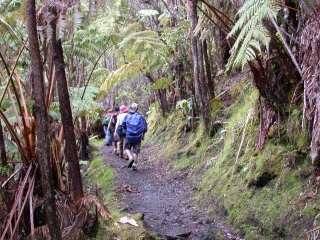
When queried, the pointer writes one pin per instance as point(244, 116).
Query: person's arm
point(117, 124)
point(124, 122)
point(145, 127)
point(108, 131)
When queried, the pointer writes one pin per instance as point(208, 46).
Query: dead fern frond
point(73, 231)
point(65, 214)
point(88, 201)
point(41, 232)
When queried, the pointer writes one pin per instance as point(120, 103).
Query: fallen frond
point(88, 201)
point(41, 232)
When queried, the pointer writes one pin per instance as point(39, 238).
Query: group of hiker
point(125, 128)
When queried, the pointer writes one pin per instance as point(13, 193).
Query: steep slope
point(265, 192)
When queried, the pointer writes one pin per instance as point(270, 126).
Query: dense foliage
point(191, 57)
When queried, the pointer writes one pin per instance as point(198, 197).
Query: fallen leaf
point(128, 219)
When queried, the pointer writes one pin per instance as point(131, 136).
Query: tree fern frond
point(76, 19)
point(125, 71)
point(130, 29)
point(148, 34)
point(99, 75)
point(54, 112)
point(250, 45)
point(253, 12)
point(6, 30)
point(252, 33)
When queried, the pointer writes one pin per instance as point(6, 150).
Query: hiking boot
point(131, 163)
point(134, 167)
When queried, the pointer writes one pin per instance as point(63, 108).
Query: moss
point(226, 168)
point(310, 211)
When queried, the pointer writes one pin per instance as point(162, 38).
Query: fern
point(122, 73)
point(6, 30)
point(252, 34)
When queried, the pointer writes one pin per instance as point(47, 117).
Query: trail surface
point(164, 200)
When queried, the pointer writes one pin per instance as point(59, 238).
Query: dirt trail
point(164, 200)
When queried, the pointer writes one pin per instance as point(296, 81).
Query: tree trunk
point(42, 123)
point(2, 147)
point(198, 66)
point(193, 18)
point(208, 70)
point(66, 118)
point(84, 140)
point(163, 101)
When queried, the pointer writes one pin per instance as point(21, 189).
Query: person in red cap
point(123, 112)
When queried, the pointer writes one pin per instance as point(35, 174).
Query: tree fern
point(7, 31)
point(122, 73)
point(251, 32)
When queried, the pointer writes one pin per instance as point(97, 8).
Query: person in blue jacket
point(136, 126)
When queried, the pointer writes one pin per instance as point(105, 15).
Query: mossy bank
point(266, 192)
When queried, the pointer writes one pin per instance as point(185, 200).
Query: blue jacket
point(135, 125)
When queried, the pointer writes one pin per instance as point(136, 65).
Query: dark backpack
point(121, 131)
point(114, 119)
point(135, 126)
point(106, 120)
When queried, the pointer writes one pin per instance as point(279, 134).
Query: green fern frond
point(90, 92)
point(85, 107)
point(6, 30)
point(252, 34)
point(130, 29)
point(146, 34)
point(54, 112)
point(122, 73)
point(250, 46)
point(99, 75)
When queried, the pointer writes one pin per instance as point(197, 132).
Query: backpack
point(136, 126)
point(114, 119)
point(106, 120)
point(121, 131)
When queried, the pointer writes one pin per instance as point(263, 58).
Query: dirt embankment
point(164, 200)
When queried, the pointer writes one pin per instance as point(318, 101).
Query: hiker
point(135, 126)
point(111, 127)
point(105, 123)
point(120, 131)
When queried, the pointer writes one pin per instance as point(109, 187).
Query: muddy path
point(164, 200)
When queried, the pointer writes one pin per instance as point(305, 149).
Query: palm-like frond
point(249, 47)
point(99, 75)
point(122, 73)
point(86, 106)
point(6, 30)
point(251, 33)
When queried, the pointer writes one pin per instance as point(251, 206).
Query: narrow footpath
point(165, 201)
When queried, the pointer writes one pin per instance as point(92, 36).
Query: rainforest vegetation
point(230, 88)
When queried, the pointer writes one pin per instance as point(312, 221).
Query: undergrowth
point(264, 193)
